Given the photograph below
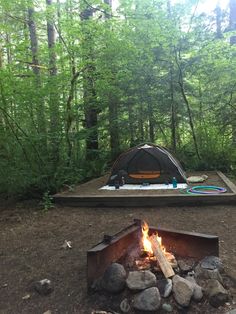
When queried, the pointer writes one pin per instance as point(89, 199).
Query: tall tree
point(40, 110)
point(232, 22)
point(186, 101)
point(89, 92)
point(112, 93)
point(53, 96)
point(218, 12)
point(171, 93)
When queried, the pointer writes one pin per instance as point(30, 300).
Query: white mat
point(146, 187)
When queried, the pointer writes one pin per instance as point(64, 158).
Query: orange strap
point(145, 175)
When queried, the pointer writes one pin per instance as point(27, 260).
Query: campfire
point(155, 254)
point(157, 268)
point(146, 242)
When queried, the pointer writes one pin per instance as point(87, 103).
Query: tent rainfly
point(146, 163)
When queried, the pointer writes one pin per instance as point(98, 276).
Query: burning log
point(161, 258)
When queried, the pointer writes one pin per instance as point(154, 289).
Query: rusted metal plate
point(103, 254)
point(189, 244)
point(181, 243)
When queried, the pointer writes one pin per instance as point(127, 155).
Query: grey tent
point(146, 163)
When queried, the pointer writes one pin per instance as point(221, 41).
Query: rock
point(140, 280)
point(197, 293)
point(183, 290)
point(43, 287)
point(197, 290)
point(206, 273)
point(124, 306)
point(212, 262)
point(231, 312)
point(167, 307)
point(97, 284)
point(26, 297)
point(165, 287)
point(113, 279)
point(101, 312)
point(184, 267)
point(47, 312)
point(216, 293)
point(147, 300)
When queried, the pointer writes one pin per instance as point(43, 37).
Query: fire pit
point(180, 243)
point(147, 265)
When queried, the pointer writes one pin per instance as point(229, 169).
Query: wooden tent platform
point(89, 195)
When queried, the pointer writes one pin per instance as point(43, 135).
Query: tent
point(146, 163)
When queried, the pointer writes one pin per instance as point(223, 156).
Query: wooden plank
point(139, 196)
point(227, 181)
point(145, 201)
point(149, 200)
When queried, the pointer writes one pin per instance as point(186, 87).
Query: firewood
point(162, 260)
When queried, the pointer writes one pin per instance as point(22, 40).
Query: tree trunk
point(8, 42)
point(218, 21)
point(89, 93)
point(131, 122)
point(140, 123)
point(51, 42)
point(172, 102)
point(232, 24)
point(1, 56)
point(40, 110)
point(68, 101)
point(181, 84)
point(108, 2)
point(113, 106)
point(91, 113)
point(113, 125)
point(190, 118)
point(173, 113)
point(53, 97)
point(150, 121)
point(232, 20)
point(232, 14)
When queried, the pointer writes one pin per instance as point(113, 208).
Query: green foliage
point(47, 201)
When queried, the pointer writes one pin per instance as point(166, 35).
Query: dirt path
point(30, 249)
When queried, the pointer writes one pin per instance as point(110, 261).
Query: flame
point(146, 243)
point(147, 246)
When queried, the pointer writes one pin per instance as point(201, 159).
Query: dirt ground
point(30, 249)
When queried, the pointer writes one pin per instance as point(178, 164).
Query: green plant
point(47, 201)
